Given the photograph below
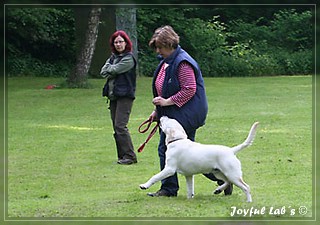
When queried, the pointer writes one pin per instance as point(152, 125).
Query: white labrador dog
point(188, 158)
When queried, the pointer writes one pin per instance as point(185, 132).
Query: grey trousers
point(120, 110)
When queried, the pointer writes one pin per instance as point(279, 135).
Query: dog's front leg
point(166, 172)
point(190, 186)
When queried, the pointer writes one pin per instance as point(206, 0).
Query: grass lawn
point(61, 156)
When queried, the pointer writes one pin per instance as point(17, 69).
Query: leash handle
point(148, 122)
point(153, 131)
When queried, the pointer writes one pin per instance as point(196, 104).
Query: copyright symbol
point(303, 210)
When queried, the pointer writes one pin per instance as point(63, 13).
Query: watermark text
point(273, 211)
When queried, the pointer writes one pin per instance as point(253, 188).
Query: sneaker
point(161, 193)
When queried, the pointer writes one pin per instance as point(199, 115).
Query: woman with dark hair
point(120, 73)
point(179, 93)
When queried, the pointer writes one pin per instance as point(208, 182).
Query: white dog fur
point(188, 158)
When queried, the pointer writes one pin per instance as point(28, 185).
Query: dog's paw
point(142, 187)
point(190, 196)
point(218, 191)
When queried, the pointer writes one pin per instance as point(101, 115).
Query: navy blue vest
point(193, 114)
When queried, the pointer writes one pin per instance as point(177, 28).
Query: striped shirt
point(187, 82)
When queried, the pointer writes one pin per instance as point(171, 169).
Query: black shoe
point(161, 193)
point(228, 190)
point(127, 161)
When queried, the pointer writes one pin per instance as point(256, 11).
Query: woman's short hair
point(126, 38)
point(164, 36)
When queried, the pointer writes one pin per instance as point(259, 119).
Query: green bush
point(202, 39)
point(283, 47)
point(250, 49)
point(26, 65)
point(238, 60)
point(292, 30)
point(299, 62)
point(264, 65)
point(41, 41)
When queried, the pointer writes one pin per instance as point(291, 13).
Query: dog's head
point(173, 129)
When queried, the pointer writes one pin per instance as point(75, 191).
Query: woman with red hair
point(120, 73)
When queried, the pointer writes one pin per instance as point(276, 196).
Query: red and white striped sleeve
point(188, 84)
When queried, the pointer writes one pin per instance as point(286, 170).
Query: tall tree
point(79, 75)
point(126, 20)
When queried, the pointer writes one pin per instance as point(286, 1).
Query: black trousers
point(120, 110)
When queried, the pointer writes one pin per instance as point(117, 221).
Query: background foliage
point(236, 42)
point(39, 41)
point(229, 41)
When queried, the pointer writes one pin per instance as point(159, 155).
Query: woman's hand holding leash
point(162, 101)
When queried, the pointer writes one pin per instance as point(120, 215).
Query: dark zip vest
point(193, 114)
point(125, 83)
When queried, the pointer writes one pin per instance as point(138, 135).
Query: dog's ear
point(170, 135)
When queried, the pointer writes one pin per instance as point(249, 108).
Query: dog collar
point(174, 140)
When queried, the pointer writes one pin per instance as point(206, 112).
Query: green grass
point(62, 158)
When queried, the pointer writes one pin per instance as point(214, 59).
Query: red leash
point(153, 131)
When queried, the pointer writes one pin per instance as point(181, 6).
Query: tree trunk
point(79, 75)
point(126, 20)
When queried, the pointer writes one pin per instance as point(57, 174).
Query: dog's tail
point(248, 141)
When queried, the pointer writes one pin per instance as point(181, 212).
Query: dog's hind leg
point(190, 186)
point(221, 188)
point(244, 187)
point(222, 177)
